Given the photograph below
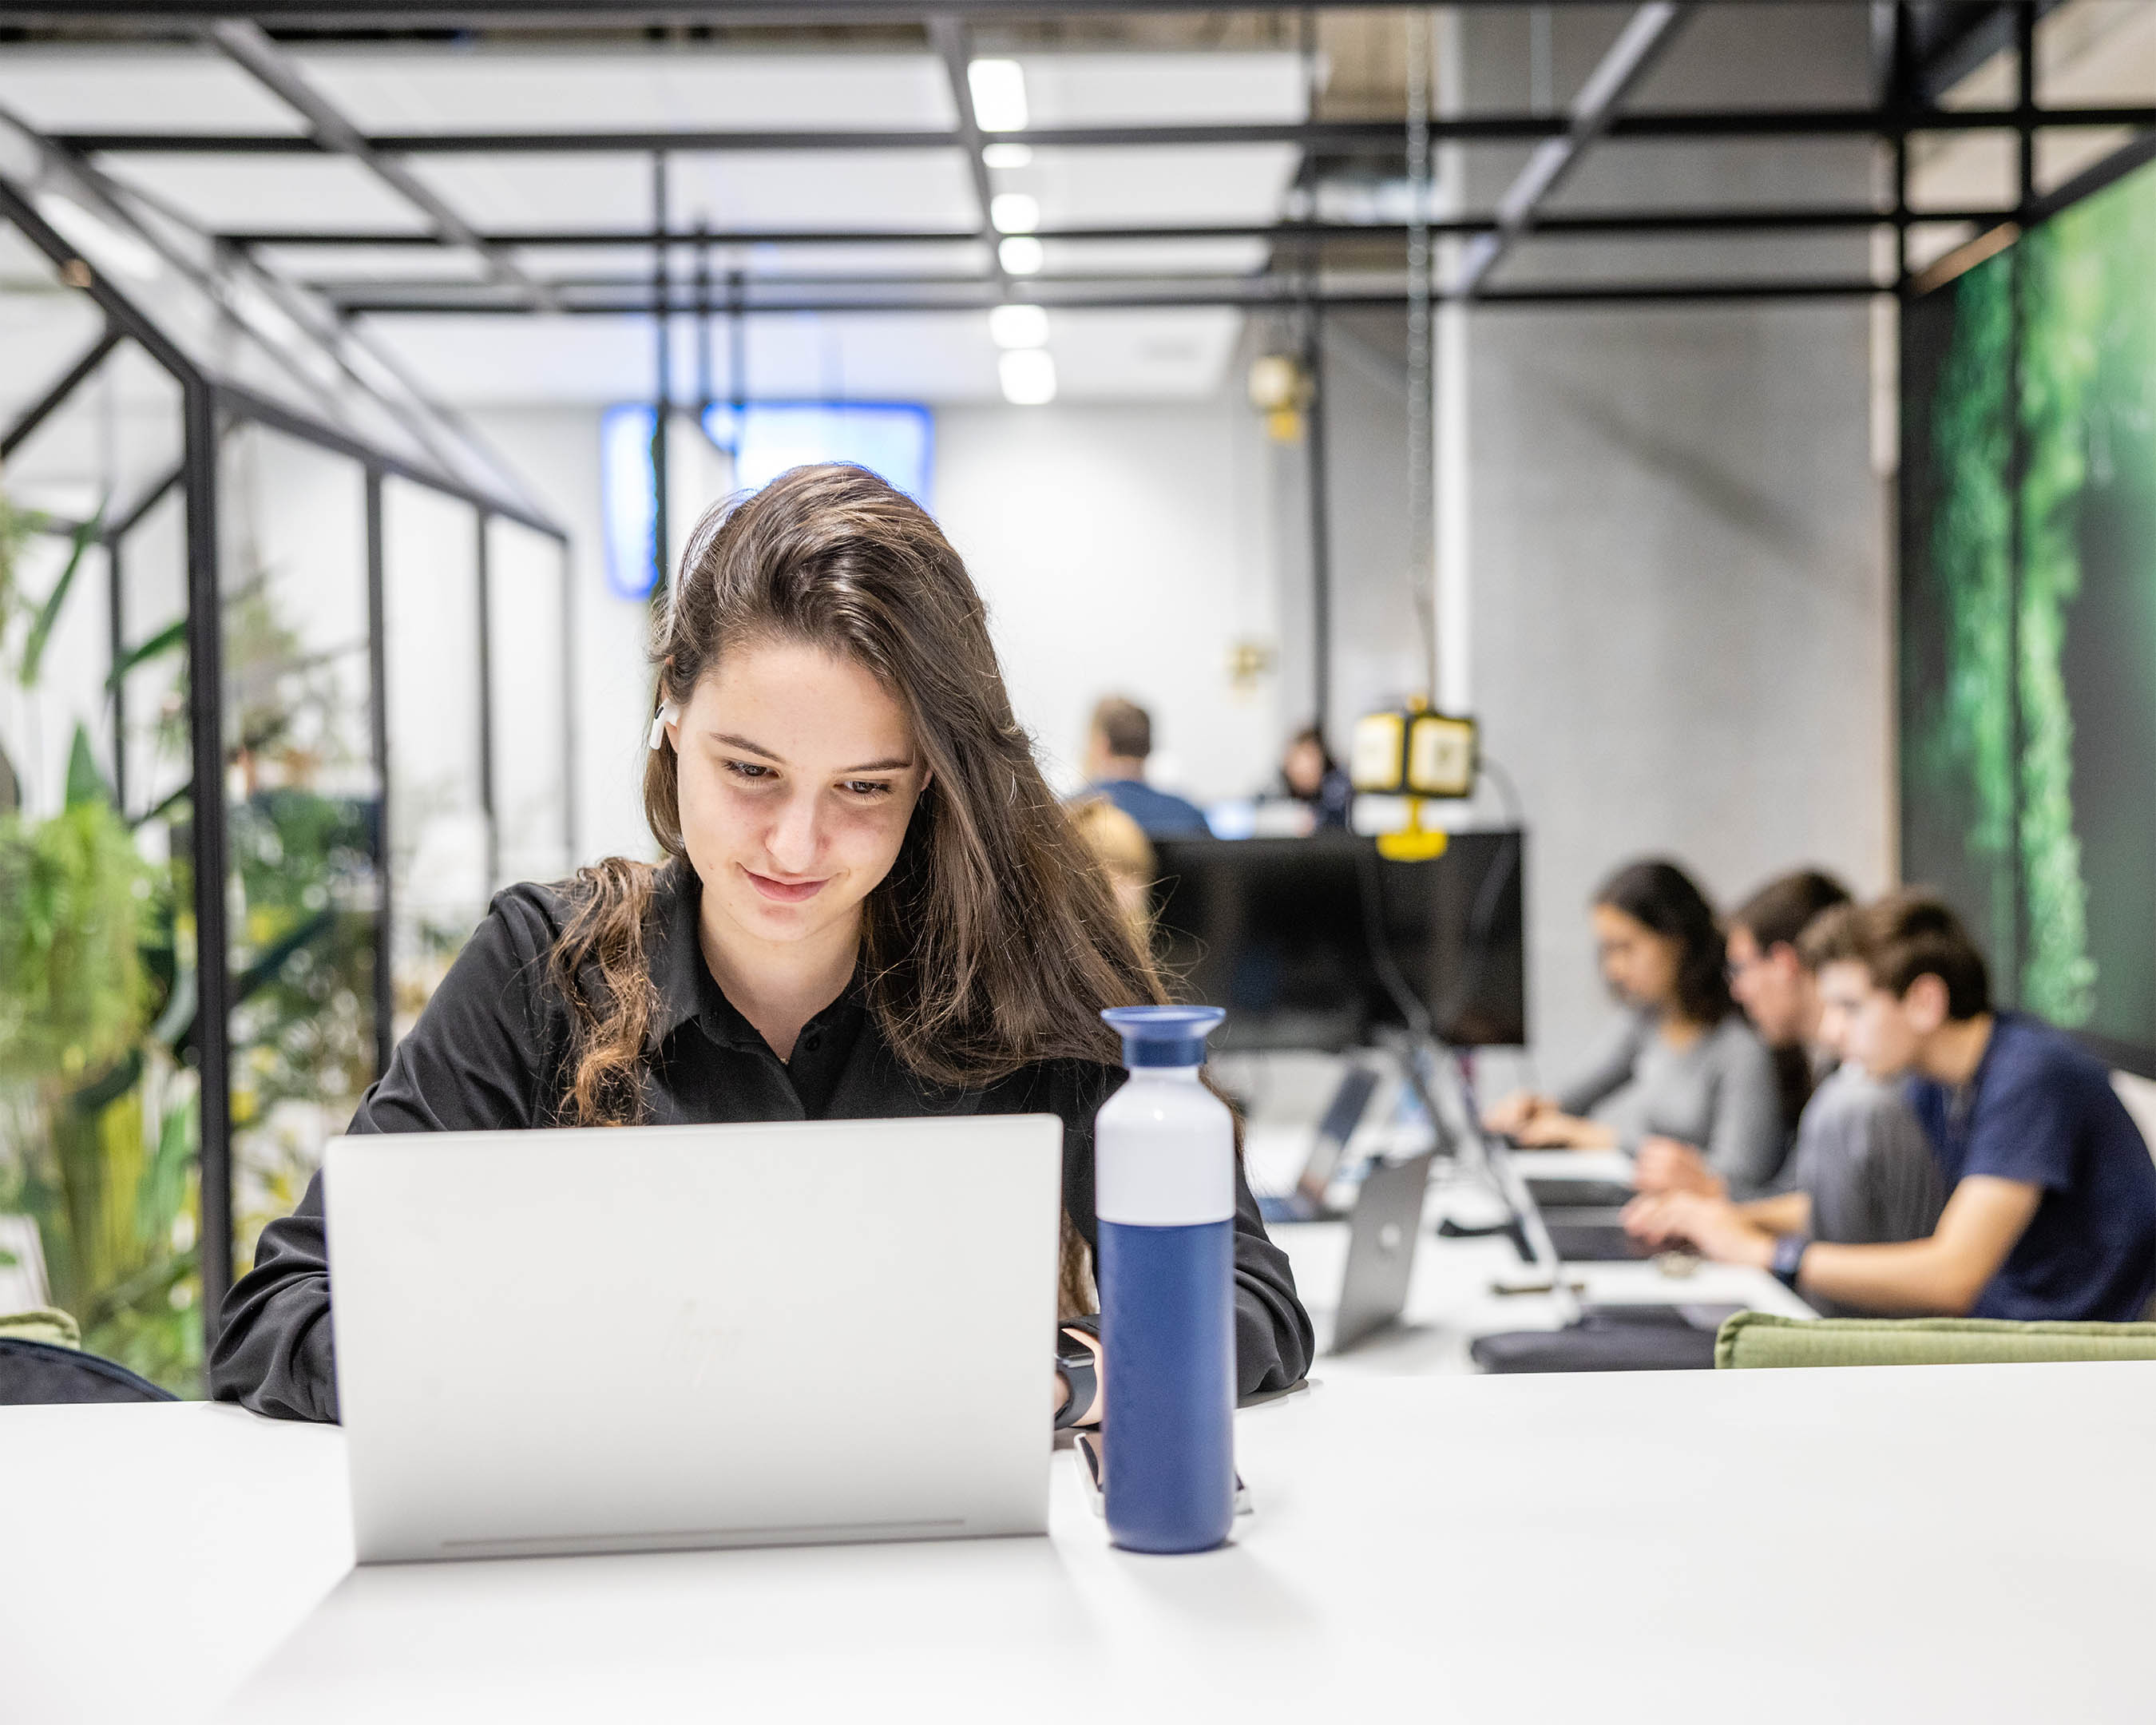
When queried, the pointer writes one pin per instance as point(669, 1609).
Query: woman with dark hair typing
point(1683, 1081)
point(870, 906)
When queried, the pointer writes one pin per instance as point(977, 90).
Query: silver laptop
point(677, 1336)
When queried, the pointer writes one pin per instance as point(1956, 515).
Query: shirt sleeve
point(473, 1063)
point(1274, 1340)
point(2022, 1127)
point(1745, 1141)
point(1609, 1068)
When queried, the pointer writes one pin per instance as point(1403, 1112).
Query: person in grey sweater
point(1862, 1173)
point(1682, 1080)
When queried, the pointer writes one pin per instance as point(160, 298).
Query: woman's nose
point(793, 839)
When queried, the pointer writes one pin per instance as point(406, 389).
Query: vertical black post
point(2017, 471)
point(704, 391)
point(378, 679)
point(737, 363)
point(485, 569)
point(1320, 521)
point(2024, 105)
point(206, 750)
point(568, 709)
point(662, 404)
point(116, 630)
point(1901, 94)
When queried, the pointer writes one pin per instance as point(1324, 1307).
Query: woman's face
point(1639, 965)
point(798, 774)
point(1304, 768)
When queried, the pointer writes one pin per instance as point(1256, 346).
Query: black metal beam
point(72, 379)
point(379, 17)
point(377, 688)
point(212, 1041)
point(1794, 219)
point(1249, 292)
point(1379, 138)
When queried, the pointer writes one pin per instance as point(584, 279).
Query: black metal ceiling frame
point(1906, 112)
point(210, 407)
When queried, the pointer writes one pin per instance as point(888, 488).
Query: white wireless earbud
point(668, 714)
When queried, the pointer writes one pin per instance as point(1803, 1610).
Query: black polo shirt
point(490, 1054)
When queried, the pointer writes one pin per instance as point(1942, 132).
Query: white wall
point(1124, 550)
point(557, 450)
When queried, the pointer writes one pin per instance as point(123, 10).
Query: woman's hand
point(1553, 1131)
point(1507, 1117)
point(1670, 1165)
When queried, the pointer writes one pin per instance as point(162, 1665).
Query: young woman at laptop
point(870, 906)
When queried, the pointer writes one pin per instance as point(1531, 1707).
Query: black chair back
point(33, 1373)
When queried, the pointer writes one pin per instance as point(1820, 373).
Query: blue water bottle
point(1164, 1154)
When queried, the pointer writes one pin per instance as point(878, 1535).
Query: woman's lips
point(786, 892)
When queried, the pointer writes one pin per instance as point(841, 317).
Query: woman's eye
point(867, 787)
point(748, 769)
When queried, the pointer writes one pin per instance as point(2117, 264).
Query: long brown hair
point(994, 941)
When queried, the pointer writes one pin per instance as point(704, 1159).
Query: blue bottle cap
point(1164, 1035)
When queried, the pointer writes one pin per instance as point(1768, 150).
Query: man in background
point(2051, 1205)
point(1116, 752)
point(1862, 1171)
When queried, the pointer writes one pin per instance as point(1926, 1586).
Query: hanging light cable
point(1421, 548)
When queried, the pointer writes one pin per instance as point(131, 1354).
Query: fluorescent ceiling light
point(1014, 212)
point(1007, 155)
point(1021, 255)
point(112, 249)
point(1017, 325)
point(998, 91)
point(1028, 375)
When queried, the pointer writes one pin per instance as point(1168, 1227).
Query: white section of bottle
point(1164, 1152)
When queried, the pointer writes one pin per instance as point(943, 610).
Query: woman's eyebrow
point(893, 766)
point(747, 748)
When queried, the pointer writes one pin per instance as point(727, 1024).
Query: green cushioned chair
point(1760, 1339)
point(41, 1323)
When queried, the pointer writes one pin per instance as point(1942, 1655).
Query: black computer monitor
point(1310, 942)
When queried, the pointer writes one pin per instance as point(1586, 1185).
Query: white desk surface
point(1966, 1543)
point(1452, 1298)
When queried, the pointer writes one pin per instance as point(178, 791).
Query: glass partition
point(303, 811)
point(527, 648)
point(439, 837)
point(97, 1106)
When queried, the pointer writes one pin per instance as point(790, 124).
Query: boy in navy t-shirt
point(2052, 1208)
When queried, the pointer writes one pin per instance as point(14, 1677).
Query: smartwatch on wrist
point(1080, 1368)
point(1789, 1259)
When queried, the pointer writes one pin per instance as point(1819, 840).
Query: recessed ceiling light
point(1028, 376)
point(999, 92)
point(1014, 212)
point(1021, 255)
point(1017, 325)
point(1007, 155)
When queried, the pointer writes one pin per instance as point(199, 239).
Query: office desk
point(1453, 1297)
point(1969, 1543)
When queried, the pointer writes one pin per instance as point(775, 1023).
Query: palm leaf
point(161, 642)
point(48, 613)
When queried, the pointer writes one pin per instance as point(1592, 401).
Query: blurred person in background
point(1116, 749)
point(1862, 1171)
point(1126, 855)
point(1681, 1079)
point(1310, 776)
point(2051, 1205)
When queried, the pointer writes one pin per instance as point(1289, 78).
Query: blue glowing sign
point(627, 506)
point(894, 440)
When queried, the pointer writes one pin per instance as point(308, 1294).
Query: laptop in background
point(655, 1338)
point(1305, 1201)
